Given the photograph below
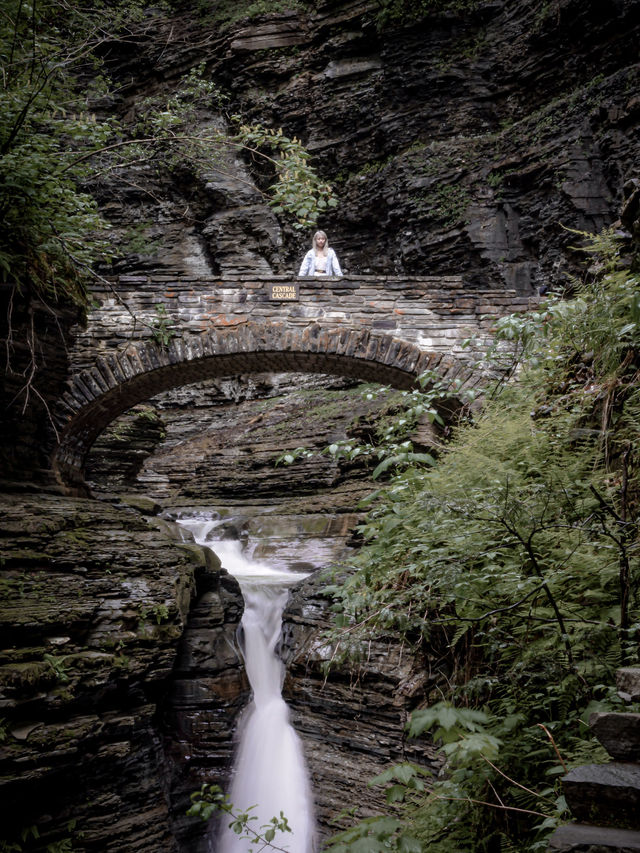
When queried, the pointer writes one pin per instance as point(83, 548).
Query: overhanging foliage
point(52, 145)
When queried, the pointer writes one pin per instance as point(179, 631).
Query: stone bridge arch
point(119, 379)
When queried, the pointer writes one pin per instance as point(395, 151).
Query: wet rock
point(628, 683)
point(221, 440)
point(630, 213)
point(581, 838)
point(351, 717)
point(207, 690)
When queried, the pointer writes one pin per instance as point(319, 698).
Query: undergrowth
point(399, 12)
point(513, 561)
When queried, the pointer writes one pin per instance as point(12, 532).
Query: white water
point(269, 768)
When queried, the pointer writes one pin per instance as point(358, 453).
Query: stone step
point(607, 794)
point(619, 733)
point(628, 683)
point(583, 838)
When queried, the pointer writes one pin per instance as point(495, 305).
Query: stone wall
point(436, 313)
point(119, 380)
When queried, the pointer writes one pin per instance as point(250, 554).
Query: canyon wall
point(100, 680)
point(465, 143)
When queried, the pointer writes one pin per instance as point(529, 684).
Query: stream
point(269, 772)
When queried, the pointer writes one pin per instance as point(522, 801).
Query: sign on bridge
point(281, 292)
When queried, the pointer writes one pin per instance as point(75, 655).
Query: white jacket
point(308, 265)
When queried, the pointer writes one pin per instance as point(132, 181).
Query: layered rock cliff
point(350, 714)
point(101, 684)
point(222, 440)
point(121, 683)
point(466, 141)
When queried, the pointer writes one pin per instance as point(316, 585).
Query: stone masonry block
point(392, 352)
point(126, 367)
point(583, 838)
point(149, 355)
point(93, 387)
point(605, 794)
point(72, 402)
point(618, 733)
point(136, 362)
point(373, 348)
point(104, 366)
point(628, 682)
point(81, 392)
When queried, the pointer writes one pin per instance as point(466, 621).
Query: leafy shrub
point(514, 562)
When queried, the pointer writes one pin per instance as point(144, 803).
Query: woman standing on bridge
point(320, 259)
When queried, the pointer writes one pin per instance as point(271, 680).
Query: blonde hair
point(325, 250)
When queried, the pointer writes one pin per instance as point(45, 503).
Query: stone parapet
point(438, 313)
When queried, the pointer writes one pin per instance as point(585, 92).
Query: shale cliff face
point(462, 142)
point(351, 716)
point(101, 683)
point(222, 441)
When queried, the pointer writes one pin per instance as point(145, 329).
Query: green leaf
point(384, 466)
point(386, 776)
point(404, 772)
point(425, 458)
point(395, 794)
point(409, 844)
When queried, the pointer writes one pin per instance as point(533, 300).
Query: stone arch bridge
point(145, 335)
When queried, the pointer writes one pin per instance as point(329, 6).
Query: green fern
point(514, 545)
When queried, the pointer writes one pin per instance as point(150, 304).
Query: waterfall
point(269, 769)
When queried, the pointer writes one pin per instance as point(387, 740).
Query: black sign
point(284, 292)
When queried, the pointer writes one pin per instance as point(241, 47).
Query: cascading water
point(269, 769)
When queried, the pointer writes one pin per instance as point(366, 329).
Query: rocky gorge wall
point(99, 678)
point(460, 145)
point(461, 140)
point(351, 716)
point(121, 683)
point(219, 442)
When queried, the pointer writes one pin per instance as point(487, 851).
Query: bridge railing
point(435, 312)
